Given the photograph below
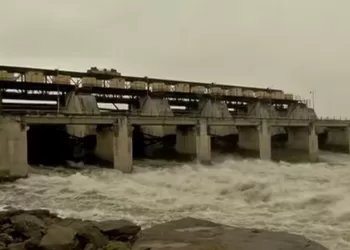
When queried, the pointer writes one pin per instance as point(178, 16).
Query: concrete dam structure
point(174, 118)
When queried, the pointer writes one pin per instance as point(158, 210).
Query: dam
point(52, 116)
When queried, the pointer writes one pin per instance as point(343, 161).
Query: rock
point(90, 247)
point(45, 215)
point(117, 245)
point(9, 212)
point(25, 230)
point(5, 238)
point(16, 246)
point(5, 227)
point(195, 234)
point(29, 225)
point(3, 218)
point(86, 232)
point(59, 238)
point(6, 215)
point(3, 246)
point(41, 213)
point(32, 244)
point(119, 230)
point(10, 231)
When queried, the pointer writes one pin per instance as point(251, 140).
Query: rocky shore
point(42, 230)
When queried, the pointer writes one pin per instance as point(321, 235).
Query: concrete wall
point(194, 140)
point(114, 144)
point(156, 107)
point(248, 138)
point(13, 149)
point(265, 110)
point(216, 109)
point(256, 139)
point(262, 110)
point(203, 149)
point(304, 139)
point(301, 111)
point(104, 144)
point(186, 140)
point(338, 138)
point(81, 104)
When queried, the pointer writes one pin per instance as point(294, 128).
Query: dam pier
point(52, 116)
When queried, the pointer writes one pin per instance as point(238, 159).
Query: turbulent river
point(308, 199)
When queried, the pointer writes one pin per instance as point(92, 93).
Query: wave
point(310, 199)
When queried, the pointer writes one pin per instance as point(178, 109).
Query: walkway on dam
point(140, 119)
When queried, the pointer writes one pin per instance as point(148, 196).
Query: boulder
point(32, 244)
point(5, 216)
point(16, 246)
point(59, 238)
point(90, 246)
point(40, 229)
point(10, 211)
point(86, 232)
point(117, 246)
point(4, 227)
point(28, 225)
point(119, 230)
point(5, 238)
point(39, 213)
point(195, 234)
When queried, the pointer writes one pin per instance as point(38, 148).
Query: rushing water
point(308, 199)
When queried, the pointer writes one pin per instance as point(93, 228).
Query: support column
point(185, 140)
point(338, 139)
point(194, 140)
point(264, 141)
point(114, 144)
point(304, 139)
point(256, 139)
point(203, 141)
point(13, 150)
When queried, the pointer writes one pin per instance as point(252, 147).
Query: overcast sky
point(295, 45)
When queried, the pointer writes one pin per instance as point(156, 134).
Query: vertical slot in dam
point(47, 145)
point(51, 145)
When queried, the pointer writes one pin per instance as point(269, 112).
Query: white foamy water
point(308, 199)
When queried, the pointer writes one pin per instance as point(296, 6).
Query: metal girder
point(101, 76)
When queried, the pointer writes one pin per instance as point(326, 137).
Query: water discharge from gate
point(310, 199)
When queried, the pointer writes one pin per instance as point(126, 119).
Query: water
point(308, 199)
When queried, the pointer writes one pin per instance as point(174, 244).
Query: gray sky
point(295, 45)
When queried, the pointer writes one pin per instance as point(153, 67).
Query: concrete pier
point(219, 110)
point(256, 139)
point(81, 104)
point(13, 149)
point(304, 139)
point(185, 140)
point(338, 138)
point(194, 140)
point(114, 144)
point(156, 107)
point(301, 111)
